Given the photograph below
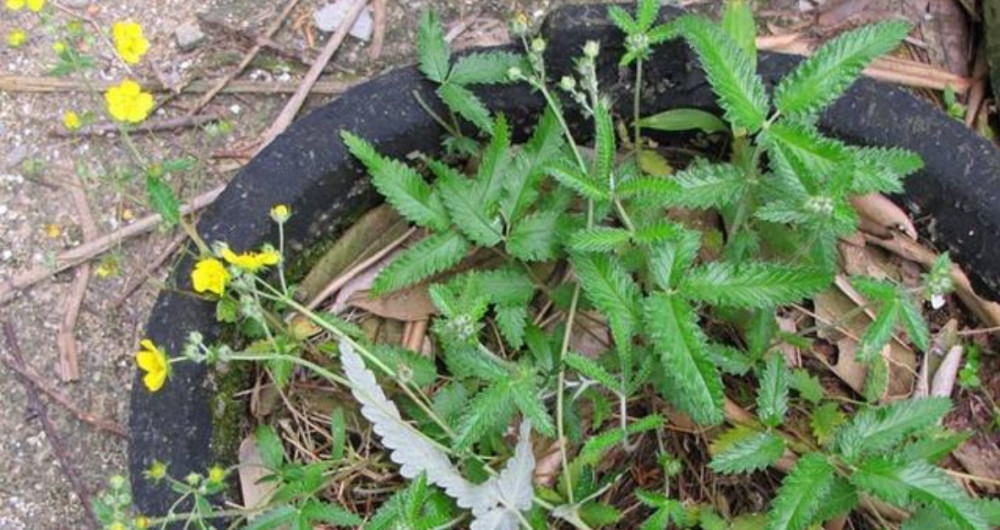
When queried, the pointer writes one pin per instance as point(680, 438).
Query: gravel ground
point(38, 218)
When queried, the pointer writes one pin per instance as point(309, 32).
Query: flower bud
point(592, 48)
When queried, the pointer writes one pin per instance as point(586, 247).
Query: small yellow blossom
point(58, 46)
point(280, 213)
point(127, 214)
point(16, 38)
point(156, 471)
point(107, 268)
point(14, 5)
point(127, 102)
point(153, 361)
point(53, 230)
point(210, 275)
point(117, 525)
point(216, 474)
point(251, 261)
point(129, 41)
point(36, 5)
point(71, 120)
point(141, 522)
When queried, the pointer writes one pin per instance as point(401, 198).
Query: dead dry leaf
point(882, 217)
point(406, 304)
point(943, 382)
point(981, 458)
point(251, 471)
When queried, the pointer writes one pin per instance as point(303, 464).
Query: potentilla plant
point(583, 234)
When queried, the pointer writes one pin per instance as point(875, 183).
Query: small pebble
point(329, 17)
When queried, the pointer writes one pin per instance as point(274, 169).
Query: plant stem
point(571, 316)
point(636, 103)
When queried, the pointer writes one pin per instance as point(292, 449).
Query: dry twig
point(247, 59)
point(378, 35)
point(69, 369)
point(149, 270)
point(295, 102)
point(9, 287)
point(90, 418)
point(16, 358)
point(151, 125)
point(23, 83)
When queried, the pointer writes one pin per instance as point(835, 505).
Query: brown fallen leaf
point(980, 456)
point(830, 306)
point(882, 217)
point(251, 471)
point(406, 304)
point(944, 378)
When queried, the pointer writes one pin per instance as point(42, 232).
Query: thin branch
point(247, 59)
point(295, 102)
point(16, 358)
point(88, 251)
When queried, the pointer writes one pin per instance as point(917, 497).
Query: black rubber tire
point(309, 169)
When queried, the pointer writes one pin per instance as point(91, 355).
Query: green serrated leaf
point(163, 200)
point(879, 169)
point(684, 119)
point(880, 429)
point(840, 500)
point(604, 144)
point(752, 284)
point(511, 321)
point(521, 183)
point(575, 179)
point(914, 324)
point(738, 23)
point(589, 368)
point(484, 68)
point(596, 446)
point(902, 483)
point(728, 69)
point(622, 20)
point(462, 198)
point(670, 260)
point(801, 493)
point(693, 384)
point(772, 396)
point(824, 76)
point(536, 237)
point(269, 446)
point(807, 385)
point(598, 239)
point(432, 49)
point(709, 185)
point(466, 104)
point(433, 254)
point(401, 185)
point(489, 411)
point(811, 157)
point(752, 452)
point(613, 292)
point(879, 332)
point(338, 433)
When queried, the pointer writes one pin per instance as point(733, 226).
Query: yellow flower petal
point(129, 41)
point(16, 38)
point(149, 361)
point(127, 102)
point(154, 380)
point(14, 5)
point(147, 345)
point(36, 5)
point(209, 275)
point(71, 120)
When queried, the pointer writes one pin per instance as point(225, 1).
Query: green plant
point(587, 234)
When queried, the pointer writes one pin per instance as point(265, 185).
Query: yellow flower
point(14, 5)
point(71, 120)
point(141, 522)
point(129, 42)
point(16, 38)
point(251, 261)
point(36, 5)
point(216, 474)
point(127, 102)
point(280, 213)
point(53, 230)
point(117, 525)
point(210, 275)
point(59, 46)
point(157, 470)
point(153, 361)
